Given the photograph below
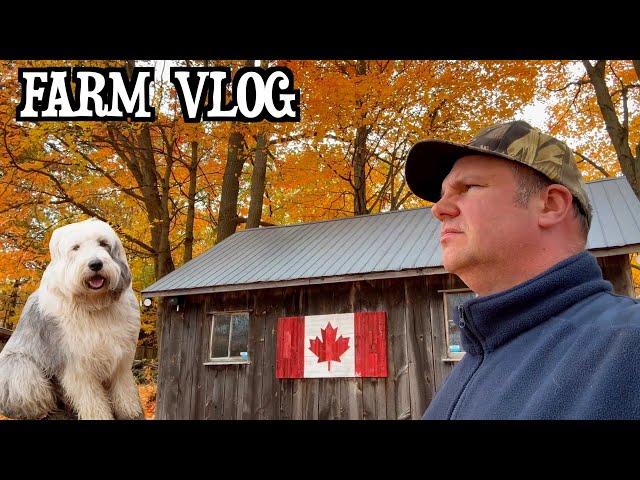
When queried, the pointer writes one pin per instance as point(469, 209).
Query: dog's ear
point(119, 256)
point(54, 245)
point(118, 251)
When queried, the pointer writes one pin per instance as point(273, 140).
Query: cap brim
point(430, 161)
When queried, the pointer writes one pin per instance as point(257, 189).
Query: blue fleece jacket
point(558, 346)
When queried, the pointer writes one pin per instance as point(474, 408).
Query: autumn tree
point(360, 118)
point(615, 104)
point(594, 106)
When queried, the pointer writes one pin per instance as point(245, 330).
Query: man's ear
point(556, 204)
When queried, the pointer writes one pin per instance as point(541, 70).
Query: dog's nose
point(95, 265)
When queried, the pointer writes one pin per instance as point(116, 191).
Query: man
point(545, 338)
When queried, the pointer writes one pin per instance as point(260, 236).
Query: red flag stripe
point(290, 347)
point(370, 342)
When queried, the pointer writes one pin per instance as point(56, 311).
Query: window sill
point(227, 362)
point(448, 359)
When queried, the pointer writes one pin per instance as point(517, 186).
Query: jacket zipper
point(466, 323)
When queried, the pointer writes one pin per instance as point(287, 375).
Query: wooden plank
point(243, 370)
point(312, 303)
point(310, 389)
point(216, 380)
point(188, 361)
point(270, 389)
point(326, 399)
point(230, 392)
point(184, 377)
point(350, 402)
point(242, 386)
point(297, 402)
point(173, 395)
point(394, 292)
point(419, 345)
point(253, 389)
point(298, 391)
point(206, 378)
point(364, 298)
point(163, 368)
point(334, 298)
point(436, 312)
point(320, 303)
point(290, 307)
point(234, 374)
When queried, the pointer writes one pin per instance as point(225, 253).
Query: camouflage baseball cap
point(430, 161)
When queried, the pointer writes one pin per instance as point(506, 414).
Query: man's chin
point(452, 263)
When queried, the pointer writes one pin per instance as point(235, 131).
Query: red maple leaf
point(329, 348)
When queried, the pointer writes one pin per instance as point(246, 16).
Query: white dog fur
point(76, 338)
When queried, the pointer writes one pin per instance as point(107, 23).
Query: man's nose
point(444, 207)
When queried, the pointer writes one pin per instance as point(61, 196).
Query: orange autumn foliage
point(148, 397)
point(53, 173)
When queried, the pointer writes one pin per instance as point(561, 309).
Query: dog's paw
point(131, 410)
point(95, 414)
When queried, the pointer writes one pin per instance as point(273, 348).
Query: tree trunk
point(228, 217)
point(193, 171)
point(359, 156)
point(258, 182)
point(618, 133)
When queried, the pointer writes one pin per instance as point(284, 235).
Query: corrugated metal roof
point(402, 241)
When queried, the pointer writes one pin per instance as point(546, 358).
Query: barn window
point(229, 337)
point(453, 298)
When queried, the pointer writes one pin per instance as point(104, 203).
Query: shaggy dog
point(76, 338)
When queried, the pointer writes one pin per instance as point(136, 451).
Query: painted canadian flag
point(337, 345)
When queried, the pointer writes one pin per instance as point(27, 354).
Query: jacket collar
point(495, 319)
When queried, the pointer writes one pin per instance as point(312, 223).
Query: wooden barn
point(229, 311)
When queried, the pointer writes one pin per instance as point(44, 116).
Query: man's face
point(482, 230)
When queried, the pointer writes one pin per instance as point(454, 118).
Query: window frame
point(451, 356)
point(237, 360)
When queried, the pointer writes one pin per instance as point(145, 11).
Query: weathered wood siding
point(188, 389)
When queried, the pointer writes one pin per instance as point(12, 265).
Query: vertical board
point(350, 400)
point(163, 367)
point(419, 346)
point(205, 410)
point(272, 303)
point(253, 396)
point(394, 293)
point(371, 340)
point(172, 387)
point(368, 296)
point(297, 385)
point(289, 306)
point(314, 304)
point(188, 361)
point(197, 398)
point(230, 392)
point(290, 347)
